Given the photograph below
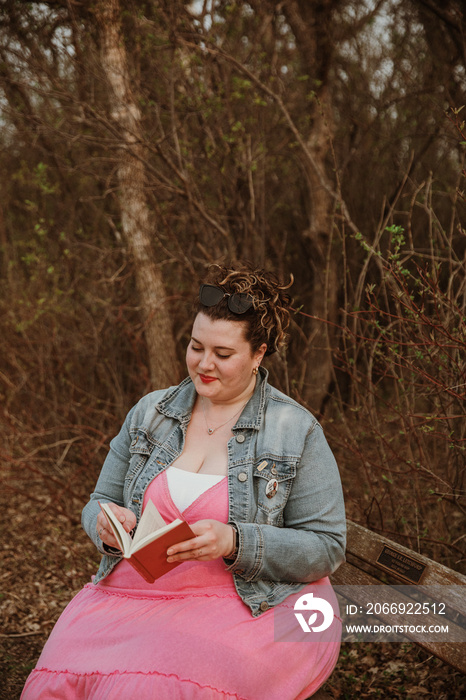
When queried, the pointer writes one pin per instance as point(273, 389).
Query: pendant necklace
point(211, 431)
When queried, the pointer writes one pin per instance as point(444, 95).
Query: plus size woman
point(251, 471)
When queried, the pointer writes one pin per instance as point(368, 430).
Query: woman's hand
point(126, 518)
point(214, 539)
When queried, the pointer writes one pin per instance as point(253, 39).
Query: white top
point(186, 486)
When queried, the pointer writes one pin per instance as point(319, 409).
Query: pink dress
point(187, 636)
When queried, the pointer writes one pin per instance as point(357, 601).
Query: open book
point(147, 550)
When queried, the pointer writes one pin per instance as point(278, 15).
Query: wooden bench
point(373, 560)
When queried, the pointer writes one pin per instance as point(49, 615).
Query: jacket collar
point(178, 403)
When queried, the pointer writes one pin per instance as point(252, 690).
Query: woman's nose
point(207, 361)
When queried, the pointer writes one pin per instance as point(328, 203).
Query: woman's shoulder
point(153, 397)
point(287, 427)
point(278, 401)
point(177, 396)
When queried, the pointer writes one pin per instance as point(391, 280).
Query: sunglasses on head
point(238, 303)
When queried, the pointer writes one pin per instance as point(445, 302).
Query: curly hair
point(268, 318)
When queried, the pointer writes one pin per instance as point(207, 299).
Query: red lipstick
point(207, 380)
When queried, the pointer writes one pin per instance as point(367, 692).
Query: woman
point(252, 473)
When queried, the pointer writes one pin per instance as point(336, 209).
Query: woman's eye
point(219, 355)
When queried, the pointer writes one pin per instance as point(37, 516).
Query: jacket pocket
point(273, 480)
point(140, 450)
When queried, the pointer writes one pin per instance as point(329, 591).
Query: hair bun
point(269, 317)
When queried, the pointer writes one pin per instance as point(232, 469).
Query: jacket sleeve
point(110, 484)
point(311, 543)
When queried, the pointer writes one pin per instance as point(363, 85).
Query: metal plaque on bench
point(401, 564)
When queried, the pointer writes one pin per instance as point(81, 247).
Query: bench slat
point(367, 546)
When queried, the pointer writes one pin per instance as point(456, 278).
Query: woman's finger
point(108, 538)
point(126, 517)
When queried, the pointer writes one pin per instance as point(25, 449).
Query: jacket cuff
point(249, 555)
point(111, 551)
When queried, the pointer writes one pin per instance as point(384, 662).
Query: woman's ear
point(260, 353)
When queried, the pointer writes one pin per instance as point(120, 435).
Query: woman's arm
point(109, 487)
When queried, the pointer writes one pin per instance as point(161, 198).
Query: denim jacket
point(285, 539)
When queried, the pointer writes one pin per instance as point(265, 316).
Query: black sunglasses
point(238, 303)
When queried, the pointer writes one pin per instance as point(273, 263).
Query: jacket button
point(242, 476)
point(264, 606)
point(240, 438)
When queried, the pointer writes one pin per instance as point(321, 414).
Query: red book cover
point(147, 552)
point(151, 561)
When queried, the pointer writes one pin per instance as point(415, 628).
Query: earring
point(255, 370)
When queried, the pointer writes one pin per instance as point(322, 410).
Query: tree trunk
point(135, 215)
point(324, 263)
point(312, 25)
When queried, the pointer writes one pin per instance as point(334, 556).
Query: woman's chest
point(203, 452)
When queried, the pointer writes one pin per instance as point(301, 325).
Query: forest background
point(142, 141)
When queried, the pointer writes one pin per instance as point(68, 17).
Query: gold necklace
point(211, 431)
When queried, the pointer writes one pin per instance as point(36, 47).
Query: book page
point(144, 541)
point(151, 520)
point(118, 530)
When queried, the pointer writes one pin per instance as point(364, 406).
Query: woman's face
point(219, 359)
